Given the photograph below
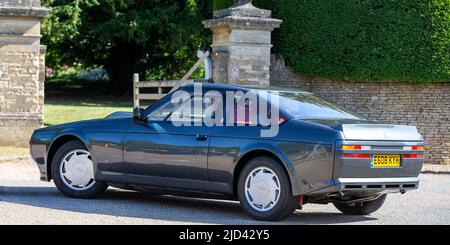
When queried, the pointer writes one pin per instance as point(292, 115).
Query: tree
point(156, 38)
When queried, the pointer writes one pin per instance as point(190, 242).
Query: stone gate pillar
point(241, 44)
point(21, 67)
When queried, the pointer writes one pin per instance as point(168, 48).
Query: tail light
point(414, 148)
point(356, 147)
point(418, 148)
point(351, 147)
point(351, 155)
point(413, 156)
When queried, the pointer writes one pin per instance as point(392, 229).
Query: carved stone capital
point(243, 8)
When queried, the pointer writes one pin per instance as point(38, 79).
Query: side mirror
point(137, 114)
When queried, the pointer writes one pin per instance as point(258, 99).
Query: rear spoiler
point(380, 132)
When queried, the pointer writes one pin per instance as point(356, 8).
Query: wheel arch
point(258, 152)
point(56, 144)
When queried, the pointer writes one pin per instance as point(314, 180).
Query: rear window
point(306, 106)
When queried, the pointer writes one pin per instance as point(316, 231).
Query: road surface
point(26, 200)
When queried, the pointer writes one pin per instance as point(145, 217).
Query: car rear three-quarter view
point(320, 152)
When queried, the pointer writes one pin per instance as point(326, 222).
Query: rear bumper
point(370, 184)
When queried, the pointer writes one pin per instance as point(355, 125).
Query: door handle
point(201, 137)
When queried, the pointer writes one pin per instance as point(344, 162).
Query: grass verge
point(57, 111)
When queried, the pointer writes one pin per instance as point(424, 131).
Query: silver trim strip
point(377, 180)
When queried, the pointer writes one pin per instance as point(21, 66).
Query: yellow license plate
point(385, 161)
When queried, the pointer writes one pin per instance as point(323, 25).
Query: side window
point(194, 116)
point(162, 112)
point(188, 113)
point(245, 110)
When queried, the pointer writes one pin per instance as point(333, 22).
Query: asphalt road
point(26, 200)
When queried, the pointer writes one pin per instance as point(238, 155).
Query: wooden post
point(135, 90)
point(160, 91)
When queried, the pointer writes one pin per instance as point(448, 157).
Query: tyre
point(362, 208)
point(264, 190)
point(73, 171)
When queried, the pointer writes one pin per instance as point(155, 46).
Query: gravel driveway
point(26, 200)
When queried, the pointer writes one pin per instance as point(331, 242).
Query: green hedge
point(381, 40)
point(221, 4)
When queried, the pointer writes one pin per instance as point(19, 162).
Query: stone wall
point(21, 69)
point(426, 106)
point(34, 3)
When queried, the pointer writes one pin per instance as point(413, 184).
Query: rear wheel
point(73, 171)
point(264, 190)
point(362, 208)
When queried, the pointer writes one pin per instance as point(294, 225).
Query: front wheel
point(362, 208)
point(264, 190)
point(73, 171)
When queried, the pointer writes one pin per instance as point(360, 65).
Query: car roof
point(221, 86)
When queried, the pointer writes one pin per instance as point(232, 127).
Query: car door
point(158, 152)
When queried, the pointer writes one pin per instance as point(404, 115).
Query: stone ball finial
point(241, 2)
point(242, 8)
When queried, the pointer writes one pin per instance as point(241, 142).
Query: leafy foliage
point(157, 38)
point(402, 40)
point(221, 4)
